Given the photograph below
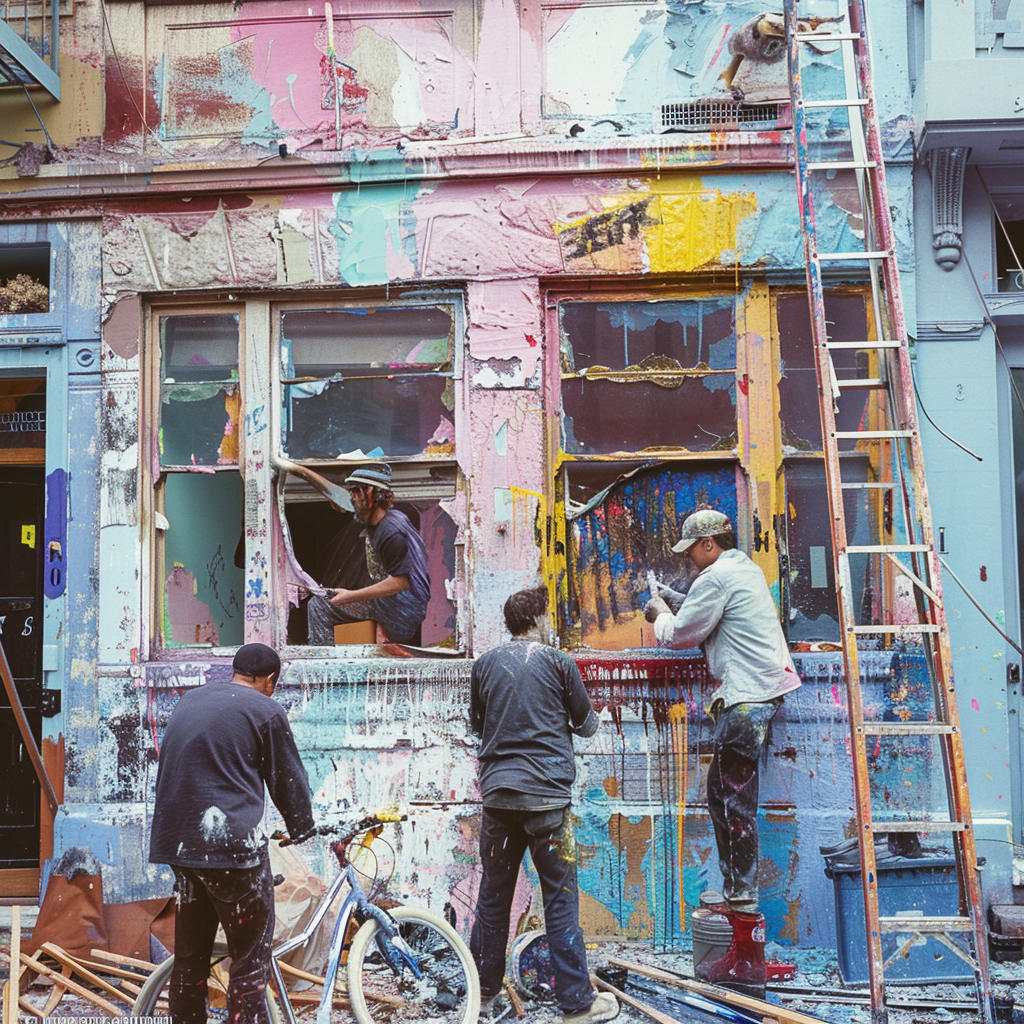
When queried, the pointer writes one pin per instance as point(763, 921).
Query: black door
point(21, 633)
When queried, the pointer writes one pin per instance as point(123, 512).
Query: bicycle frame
point(355, 899)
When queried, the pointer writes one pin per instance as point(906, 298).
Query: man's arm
point(582, 716)
point(697, 617)
point(384, 588)
point(286, 777)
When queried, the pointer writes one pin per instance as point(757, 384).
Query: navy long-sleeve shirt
point(223, 744)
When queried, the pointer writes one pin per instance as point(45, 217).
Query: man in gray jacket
point(729, 611)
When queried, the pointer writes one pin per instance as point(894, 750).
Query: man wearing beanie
point(395, 558)
point(225, 742)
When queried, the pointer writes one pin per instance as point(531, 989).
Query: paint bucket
point(712, 935)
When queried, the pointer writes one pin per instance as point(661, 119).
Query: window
point(808, 591)
point(200, 539)
point(648, 432)
point(24, 278)
point(675, 402)
point(370, 383)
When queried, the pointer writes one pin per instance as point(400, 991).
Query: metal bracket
point(49, 703)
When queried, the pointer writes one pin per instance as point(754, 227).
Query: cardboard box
point(364, 632)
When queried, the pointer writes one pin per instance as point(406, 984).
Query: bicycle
point(417, 965)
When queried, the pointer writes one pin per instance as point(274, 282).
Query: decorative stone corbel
point(947, 169)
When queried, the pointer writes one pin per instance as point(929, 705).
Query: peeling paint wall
point(504, 163)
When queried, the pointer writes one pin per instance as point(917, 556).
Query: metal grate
point(715, 115)
point(24, 421)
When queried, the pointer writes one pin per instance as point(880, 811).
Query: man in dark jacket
point(527, 700)
point(396, 559)
point(224, 743)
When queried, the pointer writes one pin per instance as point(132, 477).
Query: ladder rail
point(861, 779)
point(902, 445)
point(966, 853)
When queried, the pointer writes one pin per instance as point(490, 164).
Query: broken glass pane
point(367, 378)
point(203, 588)
point(624, 388)
point(199, 396)
point(199, 424)
point(626, 533)
point(846, 319)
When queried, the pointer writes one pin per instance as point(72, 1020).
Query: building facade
point(546, 260)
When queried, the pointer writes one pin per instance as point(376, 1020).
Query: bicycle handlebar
point(346, 833)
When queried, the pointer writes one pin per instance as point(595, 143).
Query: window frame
point(154, 473)
point(421, 484)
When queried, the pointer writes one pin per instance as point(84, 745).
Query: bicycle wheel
point(155, 989)
point(448, 990)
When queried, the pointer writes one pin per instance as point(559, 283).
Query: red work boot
point(742, 968)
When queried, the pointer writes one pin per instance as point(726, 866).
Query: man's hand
point(655, 607)
point(340, 597)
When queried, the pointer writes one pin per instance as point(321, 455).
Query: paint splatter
point(984, 574)
point(974, 704)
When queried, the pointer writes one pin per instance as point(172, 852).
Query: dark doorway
point(21, 632)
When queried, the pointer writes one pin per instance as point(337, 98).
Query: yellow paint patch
point(696, 230)
point(28, 535)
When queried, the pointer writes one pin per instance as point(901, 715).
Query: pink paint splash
point(974, 704)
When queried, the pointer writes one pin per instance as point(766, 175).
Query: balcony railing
point(28, 44)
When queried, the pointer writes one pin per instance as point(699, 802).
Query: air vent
point(720, 115)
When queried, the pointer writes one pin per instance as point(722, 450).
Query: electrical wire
point(953, 440)
point(988, 618)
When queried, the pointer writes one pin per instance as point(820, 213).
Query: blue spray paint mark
point(55, 532)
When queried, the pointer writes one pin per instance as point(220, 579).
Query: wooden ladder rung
point(908, 729)
point(922, 825)
point(871, 435)
point(842, 165)
point(860, 383)
point(926, 925)
point(862, 344)
point(867, 254)
point(827, 37)
point(905, 627)
point(836, 103)
point(873, 549)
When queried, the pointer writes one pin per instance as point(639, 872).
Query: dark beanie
point(256, 660)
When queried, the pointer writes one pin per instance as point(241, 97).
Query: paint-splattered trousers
point(733, 789)
point(505, 836)
point(400, 615)
point(242, 900)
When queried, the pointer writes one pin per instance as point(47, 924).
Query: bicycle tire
point(157, 982)
point(445, 961)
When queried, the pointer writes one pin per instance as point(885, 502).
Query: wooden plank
point(117, 958)
point(14, 984)
point(64, 957)
point(650, 1011)
point(19, 885)
point(108, 1008)
point(56, 993)
point(722, 995)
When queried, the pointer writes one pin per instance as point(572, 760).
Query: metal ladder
point(896, 454)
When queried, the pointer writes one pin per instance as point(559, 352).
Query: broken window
point(808, 591)
point(376, 379)
point(200, 495)
point(371, 382)
point(641, 376)
point(622, 526)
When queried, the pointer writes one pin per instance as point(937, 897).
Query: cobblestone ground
point(816, 980)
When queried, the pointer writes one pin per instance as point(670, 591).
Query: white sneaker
point(604, 1007)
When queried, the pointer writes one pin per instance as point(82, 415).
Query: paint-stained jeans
point(400, 615)
point(242, 900)
point(733, 785)
point(504, 837)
